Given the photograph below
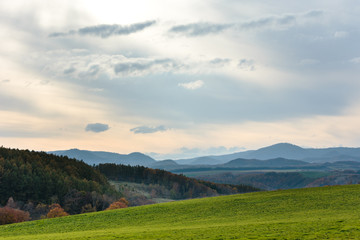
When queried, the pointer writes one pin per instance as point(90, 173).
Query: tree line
point(180, 186)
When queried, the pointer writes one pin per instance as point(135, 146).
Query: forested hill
point(36, 180)
point(181, 187)
point(39, 177)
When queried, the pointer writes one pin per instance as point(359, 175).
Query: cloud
point(199, 29)
point(355, 60)
point(91, 72)
point(192, 85)
point(246, 64)
point(105, 30)
point(137, 67)
point(69, 70)
point(220, 62)
point(74, 65)
point(96, 127)
point(341, 34)
point(279, 21)
point(147, 129)
point(276, 21)
point(313, 13)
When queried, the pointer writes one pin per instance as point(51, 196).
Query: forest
point(35, 180)
point(180, 186)
point(35, 185)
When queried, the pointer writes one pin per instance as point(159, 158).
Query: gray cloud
point(280, 21)
point(131, 67)
point(105, 30)
point(226, 100)
point(220, 62)
point(73, 65)
point(91, 72)
point(69, 70)
point(313, 13)
point(199, 29)
point(147, 129)
point(277, 21)
point(141, 66)
point(96, 127)
point(246, 64)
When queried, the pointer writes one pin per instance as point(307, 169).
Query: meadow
point(311, 213)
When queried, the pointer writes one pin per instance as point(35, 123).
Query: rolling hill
point(312, 213)
point(275, 163)
point(97, 157)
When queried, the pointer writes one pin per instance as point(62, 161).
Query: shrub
point(56, 211)
point(121, 203)
point(10, 215)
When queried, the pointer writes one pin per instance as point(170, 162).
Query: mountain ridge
point(288, 151)
point(280, 150)
point(97, 157)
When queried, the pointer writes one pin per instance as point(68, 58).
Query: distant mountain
point(277, 162)
point(280, 150)
point(95, 157)
point(165, 164)
point(199, 161)
point(284, 150)
point(279, 154)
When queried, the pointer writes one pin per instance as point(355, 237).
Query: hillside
point(35, 178)
point(97, 157)
point(168, 185)
point(39, 177)
point(313, 213)
point(284, 180)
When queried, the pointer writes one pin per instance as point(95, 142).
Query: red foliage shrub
point(10, 215)
point(121, 203)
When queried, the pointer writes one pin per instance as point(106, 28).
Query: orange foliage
point(11, 215)
point(56, 211)
point(121, 203)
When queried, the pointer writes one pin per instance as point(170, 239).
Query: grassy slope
point(315, 213)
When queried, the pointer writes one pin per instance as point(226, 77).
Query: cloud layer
point(105, 30)
point(199, 29)
point(274, 22)
point(240, 73)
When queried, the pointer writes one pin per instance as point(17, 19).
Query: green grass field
point(312, 213)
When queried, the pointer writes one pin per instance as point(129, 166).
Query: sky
point(179, 79)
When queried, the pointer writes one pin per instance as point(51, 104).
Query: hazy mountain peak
point(283, 146)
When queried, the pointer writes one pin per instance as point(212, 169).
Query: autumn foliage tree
point(121, 203)
point(56, 211)
point(10, 215)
